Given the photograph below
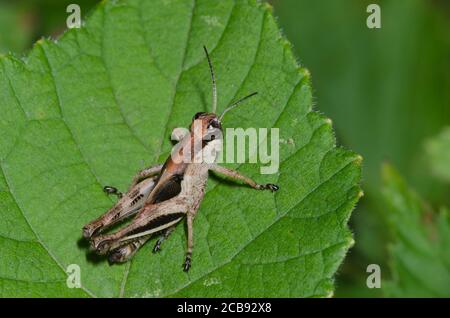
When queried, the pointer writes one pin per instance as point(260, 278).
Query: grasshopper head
point(207, 125)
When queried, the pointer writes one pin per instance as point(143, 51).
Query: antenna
point(213, 79)
point(235, 104)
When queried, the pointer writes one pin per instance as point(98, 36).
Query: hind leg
point(128, 205)
point(151, 219)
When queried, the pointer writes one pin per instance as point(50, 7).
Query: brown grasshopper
point(162, 195)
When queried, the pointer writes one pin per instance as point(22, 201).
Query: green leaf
point(420, 256)
point(90, 110)
point(438, 154)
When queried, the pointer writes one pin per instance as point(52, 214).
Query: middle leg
point(151, 219)
point(126, 252)
point(162, 238)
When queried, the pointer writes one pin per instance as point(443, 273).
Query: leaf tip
point(360, 194)
point(41, 41)
point(306, 73)
point(266, 6)
point(359, 159)
point(350, 241)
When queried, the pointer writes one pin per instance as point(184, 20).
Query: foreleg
point(127, 206)
point(162, 238)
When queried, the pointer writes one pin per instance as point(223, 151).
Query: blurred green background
point(387, 91)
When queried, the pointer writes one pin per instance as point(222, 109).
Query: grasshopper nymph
point(162, 195)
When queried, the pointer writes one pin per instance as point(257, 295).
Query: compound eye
point(196, 116)
point(214, 124)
